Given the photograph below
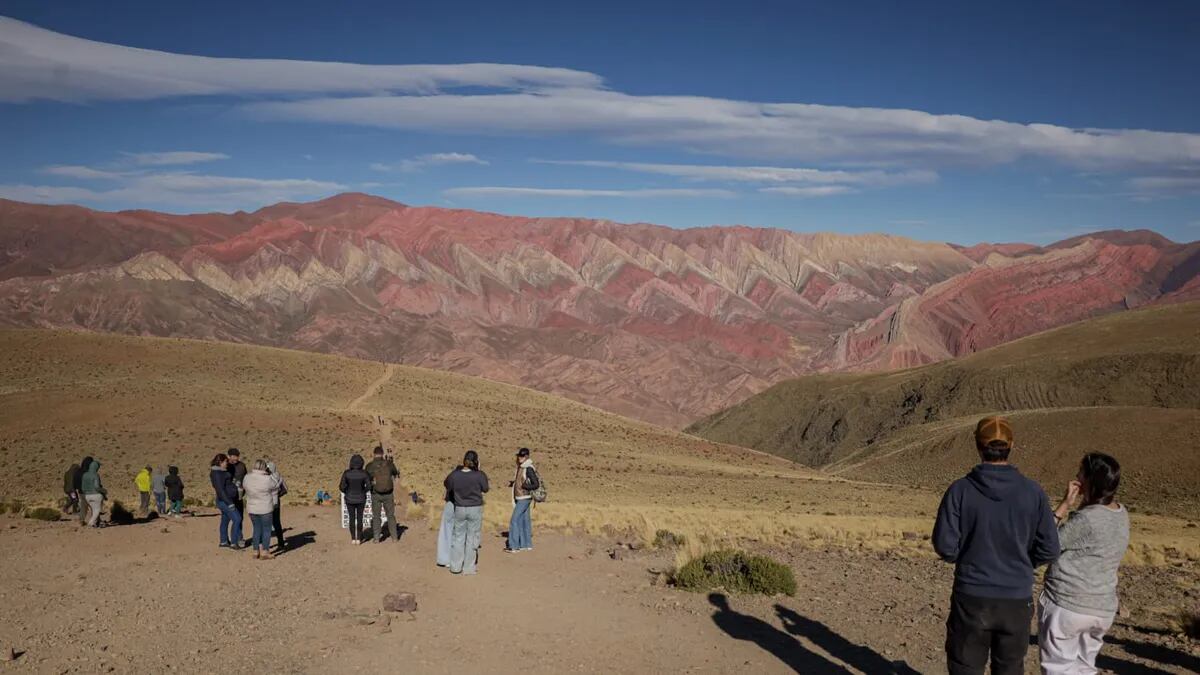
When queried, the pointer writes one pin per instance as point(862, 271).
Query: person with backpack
point(276, 515)
point(1079, 600)
point(520, 526)
point(226, 499)
point(996, 526)
point(93, 492)
point(466, 485)
point(78, 483)
point(383, 473)
point(174, 486)
point(72, 503)
point(356, 483)
point(262, 492)
point(142, 481)
point(158, 488)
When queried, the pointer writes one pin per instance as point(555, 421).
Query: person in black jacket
point(226, 500)
point(237, 469)
point(996, 526)
point(83, 467)
point(466, 486)
point(356, 483)
point(174, 485)
point(72, 504)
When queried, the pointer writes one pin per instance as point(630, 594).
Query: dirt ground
point(160, 595)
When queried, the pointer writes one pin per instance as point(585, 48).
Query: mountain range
point(665, 325)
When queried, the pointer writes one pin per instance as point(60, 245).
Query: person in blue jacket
point(227, 501)
point(996, 526)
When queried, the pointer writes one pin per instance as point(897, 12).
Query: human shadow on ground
point(855, 655)
point(386, 535)
point(1150, 652)
point(293, 542)
point(781, 645)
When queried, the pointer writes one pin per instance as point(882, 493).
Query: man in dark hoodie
point(996, 526)
point(82, 468)
point(356, 483)
point(237, 471)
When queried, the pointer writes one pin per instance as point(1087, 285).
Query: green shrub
point(737, 572)
point(120, 515)
point(43, 513)
point(192, 501)
point(12, 507)
point(668, 539)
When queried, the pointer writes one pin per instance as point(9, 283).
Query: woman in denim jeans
point(262, 493)
point(227, 500)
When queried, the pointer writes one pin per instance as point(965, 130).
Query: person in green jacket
point(93, 492)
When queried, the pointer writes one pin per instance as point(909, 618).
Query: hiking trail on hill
point(373, 388)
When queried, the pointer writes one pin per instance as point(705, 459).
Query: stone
point(400, 602)
point(616, 554)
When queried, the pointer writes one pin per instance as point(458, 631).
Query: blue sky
point(1024, 121)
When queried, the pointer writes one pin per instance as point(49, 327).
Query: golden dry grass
point(137, 401)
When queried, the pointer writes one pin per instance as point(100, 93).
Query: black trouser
point(978, 627)
point(386, 503)
point(356, 516)
point(277, 525)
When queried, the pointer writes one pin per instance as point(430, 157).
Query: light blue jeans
point(520, 528)
point(464, 539)
point(445, 533)
point(231, 524)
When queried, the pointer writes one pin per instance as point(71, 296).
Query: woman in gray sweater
point(1080, 596)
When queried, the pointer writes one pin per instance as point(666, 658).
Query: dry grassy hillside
point(133, 401)
point(1128, 384)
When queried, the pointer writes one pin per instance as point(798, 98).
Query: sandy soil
point(161, 596)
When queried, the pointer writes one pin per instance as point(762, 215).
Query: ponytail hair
point(471, 460)
point(1103, 475)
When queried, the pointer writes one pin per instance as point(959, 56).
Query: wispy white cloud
point(434, 159)
point(760, 174)
point(40, 64)
point(84, 172)
point(1165, 185)
point(173, 158)
point(472, 192)
point(178, 189)
point(810, 191)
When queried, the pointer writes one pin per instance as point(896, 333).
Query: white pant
point(95, 503)
point(1069, 641)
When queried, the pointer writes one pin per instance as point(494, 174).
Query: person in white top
point(262, 494)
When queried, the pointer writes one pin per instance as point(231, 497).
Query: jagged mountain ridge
point(662, 324)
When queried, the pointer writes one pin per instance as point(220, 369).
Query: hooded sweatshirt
point(262, 492)
point(174, 484)
point(996, 526)
point(222, 482)
point(143, 480)
point(83, 465)
point(90, 484)
point(157, 482)
point(356, 483)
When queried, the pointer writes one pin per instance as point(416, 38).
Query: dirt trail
point(373, 388)
point(161, 596)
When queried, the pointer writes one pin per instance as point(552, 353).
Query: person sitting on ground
point(174, 485)
point(356, 483)
point(158, 488)
point(93, 492)
point(323, 498)
point(72, 503)
point(83, 509)
point(226, 500)
point(446, 529)
point(142, 481)
point(1079, 600)
point(996, 526)
point(466, 486)
point(520, 526)
point(383, 485)
point(262, 491)
point(276, 514)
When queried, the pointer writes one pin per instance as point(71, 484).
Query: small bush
point(43, 513)
point(11, 507)
point(120, 515)
point(737, 572)
point(192, 501)
point(668, 539)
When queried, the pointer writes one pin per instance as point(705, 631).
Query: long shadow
point(297, 541)
point(1158, 654)
point(1108, 663)
point(858, 656)
point(781, 645)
